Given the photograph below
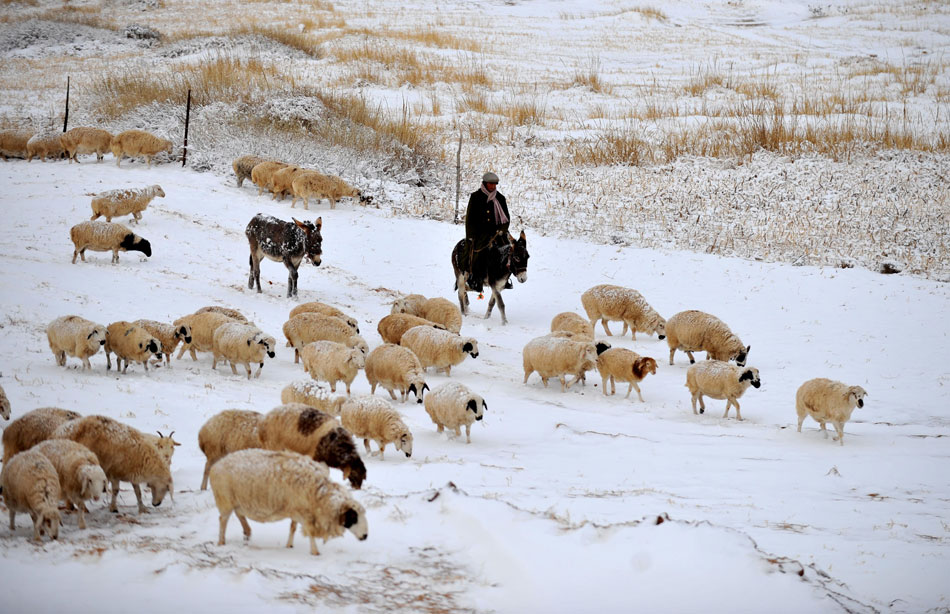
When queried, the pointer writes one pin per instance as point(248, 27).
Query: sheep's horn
point(160, 434)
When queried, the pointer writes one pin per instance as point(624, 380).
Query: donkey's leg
point(463, 293)
point(291, 278)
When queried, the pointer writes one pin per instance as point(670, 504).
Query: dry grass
point(651, 12)
point(428, 36)
point(589, 76)
point(83, 15)
point(291, 37)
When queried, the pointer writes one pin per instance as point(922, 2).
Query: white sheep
point(392, 327)
point(370, 417)
point(558, 357)
point(131, 343)
point(33, 427)
point(317, 185)
point(76, 337)
point(327, 310)
point(86, 140)
point(203, 325)
point(410, 303)
point(305, 328)
point(4, 404)
point(827, 400)
point(439, 348)
point(695, 331)
point(44, 144)
point(720, 380)
point(168, 335)
point(396, 368)
point(30, 484)
point(138, 143)
point(313, 394)
point(234, 314)
point(106, 237)
point(453, 405)
point(622, 365)
point(116, 203)
point(13, 143)
point(80, 476)
point(266, 486)
point(263, 174)
point(581, 329)
point(241, 344)
point(332, 362)
point(125, 454)
point(608, 302)
point(244, 165)
point(226, 432)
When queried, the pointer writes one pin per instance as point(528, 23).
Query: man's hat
point(489, 177)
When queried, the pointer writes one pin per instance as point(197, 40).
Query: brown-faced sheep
point(133, 143)
point(439, 348)
point(608, 302)
point(327, 310)
point(33, 427)
point(168, 335)
point(392, 327)
point(30, 484)
point(720, 380)
point(125, 454)
point(332, 362)
point(266, 486)
point(80, 476)
point(622, 365)
point(827, 400)
point(13, 143)
point(116, 203)
point(76, 337)
point(44, 144)
point(370, 417)
point(301, 428)
point(558, 357)
point(316, 185)
point(241, 344)
point(225, 432)
point(106, 237)
point(453, 405)
point(396, 368)
point(308, 327)
point(131, 343)
point(263, 174)
point(581, 329)
point(203, 325)
point(313, 394)
point(695, 331)
point(244, 165)
point(86, 140)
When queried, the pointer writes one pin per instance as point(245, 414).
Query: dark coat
point(480, 224)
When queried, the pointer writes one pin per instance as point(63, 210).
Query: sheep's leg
point(12, 516)
point(247, 366)
point(76, 253)
point(839, 428)
point(691, 359)
point(823, 429)
point(293, 529)
point(439, 428)
point(738, 415)
point(728, 403)
point(603, 383)
point(115, 255)
point(366, 445)
point(245, 526)
point(563, 380)
point(114, 505)
point(222, 526)
point(382, 449)
point(313, 546)
point(296, 356)
point(672, 351)
point(37, 523)
point(256, 375)
point(204, 477)
point(544, 381)
point(82, 514)
point(468, 433)
point(138, 498)
point(624, 331)
point(702, 404)
point(109, 360)
point(801, 418)
point(85, 362)
point(332, 202)
point(393, 395)
point(333, 386)
point(606, 330)
point(692, 401)
point(613, 385)
point(194, 355)
point(634, 384)
point(458, 431)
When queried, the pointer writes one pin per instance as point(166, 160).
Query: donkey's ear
point(299, 223)
point(522, 237)
point(319, 223)
point(511, 238)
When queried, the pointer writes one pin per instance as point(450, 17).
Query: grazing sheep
point(392, 327)
point(106, 237)
point(30, 484)
point(234, 314)
point(327, 310)
point(411, 304)
point(131, 343)
point(301, 428)
point(827, 400)
point(116, 203)
point(607, 302)
point(75, 336)
point(439, 310)
point(225, 432)
point(124, 454)
point(370, 417)
point(44, 144)
point(241, 344)
point(695, 331)
point(308, 327)
point(244, 165)
point(203, 325)
point(313, 394)
point(558, 357)
point(13, 143)
point(86, 140)
point(572, 323)
point(320, 186)
point(4, 404)
point(453, 405)
point(133, 143)
point(80, 476)
point(33, 427)
point(438, 348)
point(622, 365)
point(263, 174)
point(396, 368)
point(282, 180)
point(720, 380)
point(267, 486)
point(332, 362)
point(168, 335)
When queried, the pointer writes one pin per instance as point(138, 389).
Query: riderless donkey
point(287, 242)
point(506, 257)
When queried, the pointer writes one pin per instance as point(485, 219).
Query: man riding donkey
point(486, 219)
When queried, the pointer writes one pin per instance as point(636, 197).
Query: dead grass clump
point(589, 76)
point(617, 146)
point(402, 129)
point(651, 12)
point(290, 37)
point(83, 15)
point(523, 111)
point(428, 36)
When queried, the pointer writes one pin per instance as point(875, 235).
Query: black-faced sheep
point(720, 380)
point(241, 344)
point(608, 302)
point(266, 486)
point(622, 365)
point(80, 476)
point(168, 335)
point(106, 237)
point(75, 336)
point(439, 348)
point(86, 140)
point(225, 432)
point(827, 400)
point(396, 368)
point(695, 331)
point(33, 427)
point(116, 203)
point(452, 405)
point(138, 143)
point(370, 417)
point(203, 326)
point(131, 343)
point(30, 484)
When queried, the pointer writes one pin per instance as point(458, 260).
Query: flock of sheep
point(273, 466)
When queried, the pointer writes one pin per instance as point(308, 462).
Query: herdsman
point(486, 218)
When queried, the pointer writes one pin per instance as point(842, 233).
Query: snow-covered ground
point(556, 504)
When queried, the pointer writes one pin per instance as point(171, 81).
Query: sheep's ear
point(89, 336)
point(484, 405)
point(748, 349)
point(425, 386)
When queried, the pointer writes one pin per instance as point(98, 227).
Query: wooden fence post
point(184, 149)
point(66, 116)
point(458, 175)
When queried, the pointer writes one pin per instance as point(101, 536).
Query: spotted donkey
point(287, 242)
